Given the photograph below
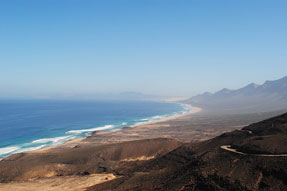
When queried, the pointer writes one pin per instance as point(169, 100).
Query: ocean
point(29, 125)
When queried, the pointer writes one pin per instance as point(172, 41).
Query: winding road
point(228, 148)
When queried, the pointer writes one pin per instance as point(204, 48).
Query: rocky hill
point(253, 158)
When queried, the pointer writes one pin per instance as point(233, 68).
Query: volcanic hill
point(255, 159)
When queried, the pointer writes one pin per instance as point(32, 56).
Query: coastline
point(74, 142)
point(80, 140)
point(192, 110)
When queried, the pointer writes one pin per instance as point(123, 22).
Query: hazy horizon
point(166, 48)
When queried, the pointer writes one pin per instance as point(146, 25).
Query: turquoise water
point(34, 124)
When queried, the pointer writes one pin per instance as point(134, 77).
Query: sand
point(66, 183)
point(134, 133)
point(193, 110)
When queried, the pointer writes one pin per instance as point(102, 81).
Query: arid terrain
point(208, 166)
point(179, 154)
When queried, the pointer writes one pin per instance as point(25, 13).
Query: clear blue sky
point(168, 47)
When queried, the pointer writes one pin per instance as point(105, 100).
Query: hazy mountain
point(120, 96)
point(272, 95)
point(97, 96)
point(137, 96)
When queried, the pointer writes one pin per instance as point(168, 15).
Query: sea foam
point(91, 130)
point(7, 150)
point(31, 148)
point(54, 140)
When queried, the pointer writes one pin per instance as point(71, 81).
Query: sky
point(161, 47)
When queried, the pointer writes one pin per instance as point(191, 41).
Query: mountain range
point(270, 96)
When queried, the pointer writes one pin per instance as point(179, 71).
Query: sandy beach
point(120, 132)
point(192, 110)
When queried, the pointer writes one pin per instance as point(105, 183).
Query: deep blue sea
point(33, 124)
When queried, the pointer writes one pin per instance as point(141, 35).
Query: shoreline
point(77, 141)
point(73, 142)
point(193, 110)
